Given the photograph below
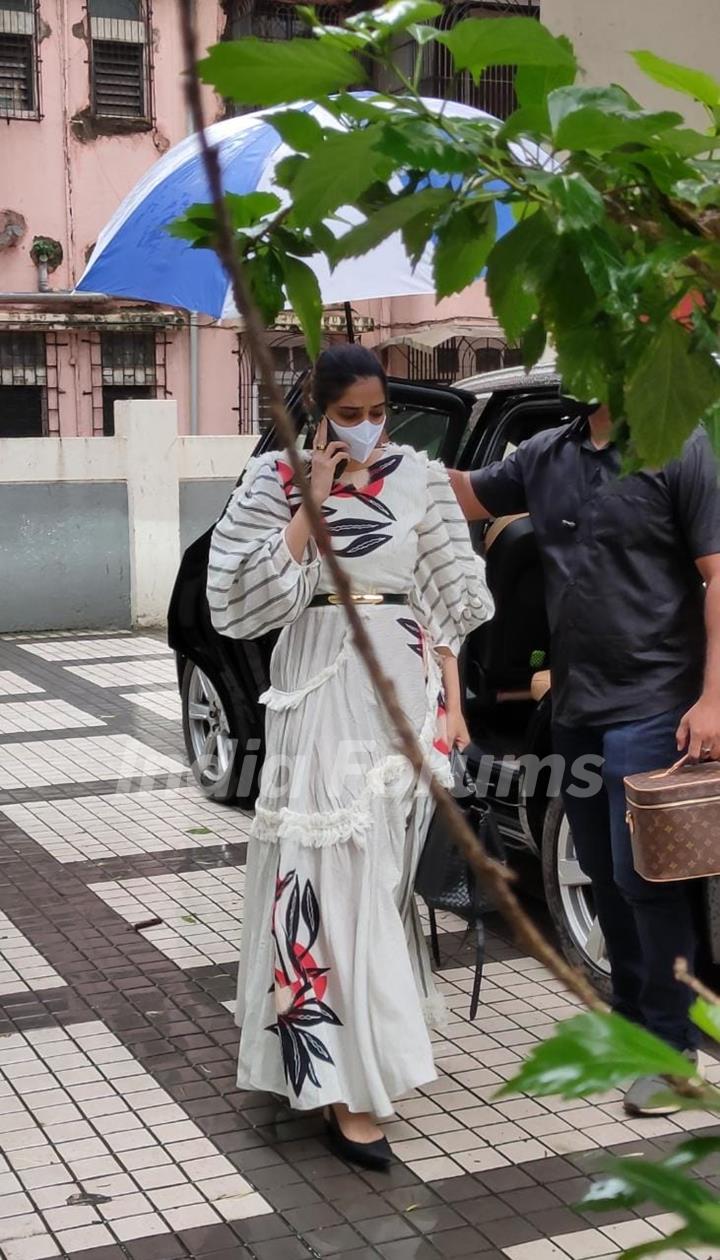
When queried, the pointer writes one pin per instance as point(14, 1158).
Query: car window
point(421, 427)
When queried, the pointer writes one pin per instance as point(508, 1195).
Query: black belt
point(333, 600)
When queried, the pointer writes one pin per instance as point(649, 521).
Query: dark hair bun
point(337, 368)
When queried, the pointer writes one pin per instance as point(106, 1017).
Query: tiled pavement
point(123, 1135)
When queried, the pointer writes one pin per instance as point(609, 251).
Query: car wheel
point(569, 898)
point(210, 746)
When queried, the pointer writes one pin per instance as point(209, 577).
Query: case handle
point(661, 774)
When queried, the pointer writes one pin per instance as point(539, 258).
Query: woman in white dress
point(335, 988)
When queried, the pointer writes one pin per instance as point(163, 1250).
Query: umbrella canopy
point(135, 257)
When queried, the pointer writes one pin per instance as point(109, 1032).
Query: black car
point(504, 664)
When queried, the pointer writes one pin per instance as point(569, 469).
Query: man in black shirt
point(632, 581)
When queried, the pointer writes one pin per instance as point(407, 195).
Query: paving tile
point(164, 704)
point(22, 968)
point(86, 649)
point(12, 684)
point(127, 673)
point(127, 824)
point(26, 716)
point(119, 1080)
point(52, 762)
point(200, 913)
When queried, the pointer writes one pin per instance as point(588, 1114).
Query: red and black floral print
point(416, 635)
point(365, 535)
point(299, 983)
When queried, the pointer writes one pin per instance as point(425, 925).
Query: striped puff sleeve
point(254, 582)
point(450, 596)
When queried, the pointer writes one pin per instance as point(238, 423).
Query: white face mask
point(361, 439)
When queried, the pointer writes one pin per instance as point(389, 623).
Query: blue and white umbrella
point(135, 257)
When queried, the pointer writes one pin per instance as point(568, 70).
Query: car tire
point(569, 900)
point(213, 754)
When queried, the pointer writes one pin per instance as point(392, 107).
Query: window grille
point(128, 358)
point(124, 364)
point(23, 384)
point(495, 93)
point(19, 94)
point(120, 65)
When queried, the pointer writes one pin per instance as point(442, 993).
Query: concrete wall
point(64, 556)
point(201, 503)
point(604, 32)
point(92, 529)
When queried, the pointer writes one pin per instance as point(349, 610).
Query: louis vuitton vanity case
point(674, 820)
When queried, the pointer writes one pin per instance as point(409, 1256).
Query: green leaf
point(636, 1181)
point(688, 143)
point(264, 279)
point(423, 34)
point(577, 205)
point(676, 1242)
point(247, 209)
point(297, 129)
point(463, 243)
point(564, 101)
point(711, 420)
point(692, 1152)
point(668, 392)
point(602, 118)
point(424, 205)
point(695, 83)
point(595, 1051)
point(423, 144)
point(287, 169)
point(477, 43)
point(304, 297)
point(703, 1013)
point(396, 16)
point(199, 224)
point(529, 120)
point(513, 267)
point(567, 297)
point(258, 72)
point(533, 343)
point(602, 260)
point(356, 109)
point(581, 363)
point(337, 173)
point(533, 84)
point(698, 192)
point(198, 831)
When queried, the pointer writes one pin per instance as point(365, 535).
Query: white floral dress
point(335, 988)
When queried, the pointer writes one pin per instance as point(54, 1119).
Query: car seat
point(507, 651)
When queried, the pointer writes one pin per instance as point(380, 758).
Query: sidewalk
point(122, 1133)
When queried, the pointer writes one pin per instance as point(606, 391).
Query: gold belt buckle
point(357, 599)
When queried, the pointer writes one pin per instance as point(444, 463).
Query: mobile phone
point(334, 436)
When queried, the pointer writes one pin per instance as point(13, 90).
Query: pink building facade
point(91, 95)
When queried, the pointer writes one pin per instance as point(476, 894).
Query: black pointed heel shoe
point(374, 1155)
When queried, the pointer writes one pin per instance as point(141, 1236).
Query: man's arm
point(699, 731)
point(696, 497)
point(496, 490)
point(466, 497)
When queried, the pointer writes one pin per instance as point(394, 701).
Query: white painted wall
point(604, 33)
point(149, 456)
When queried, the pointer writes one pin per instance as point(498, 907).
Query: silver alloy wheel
point(210, 735)
point(580, 917)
